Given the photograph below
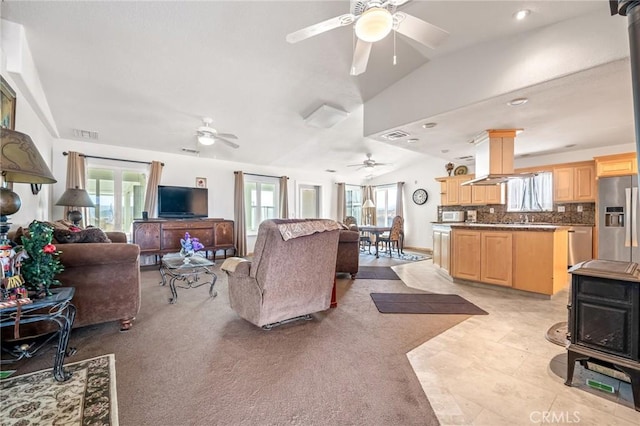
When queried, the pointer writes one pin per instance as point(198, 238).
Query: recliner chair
point(291, 275)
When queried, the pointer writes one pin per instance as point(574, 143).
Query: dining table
point(376, 231)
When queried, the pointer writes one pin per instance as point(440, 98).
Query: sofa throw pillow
point(89, 235)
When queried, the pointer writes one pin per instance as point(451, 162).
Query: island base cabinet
point(466, 255)
point(540, 261)
point(441, 248)
point(496, 266)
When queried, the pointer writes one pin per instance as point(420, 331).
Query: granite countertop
point(512, 226)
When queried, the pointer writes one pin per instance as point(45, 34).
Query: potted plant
point(42, 264)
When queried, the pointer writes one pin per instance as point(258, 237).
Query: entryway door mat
point(376, 273)
point(419, 303)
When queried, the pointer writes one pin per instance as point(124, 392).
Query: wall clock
point(420, 196)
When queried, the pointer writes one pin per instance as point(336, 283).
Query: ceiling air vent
point(190, 150)
point(465, 158)
point(85, 134)
point(395, 135)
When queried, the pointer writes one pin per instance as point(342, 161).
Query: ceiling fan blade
point(321, 27)
point(231, 144)
point(227, 135)
point(360, 57)
point(419, 30)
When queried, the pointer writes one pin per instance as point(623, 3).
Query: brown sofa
point(106, 277)
point(348, 252)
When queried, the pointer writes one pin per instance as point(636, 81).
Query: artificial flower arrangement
point(190, 245)
point(41, 265)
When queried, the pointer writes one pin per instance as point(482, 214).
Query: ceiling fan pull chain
point(394, 48)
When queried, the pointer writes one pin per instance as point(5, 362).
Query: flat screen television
point(182, 202)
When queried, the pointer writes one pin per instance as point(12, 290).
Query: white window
point(118, 195)
point(261, 195)
point(532, 194)
point(353, 195)
point(385, 204)
point(309, 196)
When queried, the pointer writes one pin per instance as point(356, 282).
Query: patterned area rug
point(88, 397)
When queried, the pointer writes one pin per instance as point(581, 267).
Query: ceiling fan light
point(374, 24)
point(206, 139)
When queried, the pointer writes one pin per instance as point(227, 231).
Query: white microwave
point(453, 216)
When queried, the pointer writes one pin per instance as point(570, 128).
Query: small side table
point(56, 309)
point(175, 267)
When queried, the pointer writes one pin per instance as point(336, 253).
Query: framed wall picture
point(201, 182)
point(8, 97)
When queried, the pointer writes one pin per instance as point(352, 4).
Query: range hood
point(494, 158)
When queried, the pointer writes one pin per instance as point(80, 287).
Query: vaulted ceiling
point(143, 74)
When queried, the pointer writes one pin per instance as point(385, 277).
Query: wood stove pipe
point(631, 9)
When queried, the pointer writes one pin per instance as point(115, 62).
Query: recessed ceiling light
point(571, 145)
point(444, 151)
point(517, 101)
point(429, 125)
point(521, 14)
point(330, 171)
point(412, 140)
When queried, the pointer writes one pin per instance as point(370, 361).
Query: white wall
point(417, 219)
point(182, 170)
point(28, 122)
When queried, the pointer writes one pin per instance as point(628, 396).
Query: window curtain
point(528, 194)
point(342, 202)
point(284, 197)
point(151, 194)
point(240, 229)
point(369, 213)
point(77, 178)
point(400, 200)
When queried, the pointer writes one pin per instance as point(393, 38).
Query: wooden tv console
point(162, 236)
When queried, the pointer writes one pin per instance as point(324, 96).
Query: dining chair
point(394, 237)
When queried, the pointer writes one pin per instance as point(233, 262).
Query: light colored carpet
point(87, 398)
point(196, 362)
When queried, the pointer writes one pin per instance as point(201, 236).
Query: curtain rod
point(384, 184)
point(254, 174)
point(114, 159)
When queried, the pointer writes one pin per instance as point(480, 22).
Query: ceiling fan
point(368, 163)
point(207, 135)
point(374, 20)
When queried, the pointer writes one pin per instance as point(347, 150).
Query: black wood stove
point(604, 318)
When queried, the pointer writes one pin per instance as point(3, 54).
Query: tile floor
point(499, 369)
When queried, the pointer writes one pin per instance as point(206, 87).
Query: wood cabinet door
point(437, 251)
point(584, 183)
point(224, 234)
point(563, 184)
point(466, 254)
point(478, 194)
point(445, 249)
point(494, 194)
point(464, 192)
point(497, 263)
point(147, 236)
point(617, 165)
point(533, 273)
point(453, 186)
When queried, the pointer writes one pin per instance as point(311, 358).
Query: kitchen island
point(524, 256)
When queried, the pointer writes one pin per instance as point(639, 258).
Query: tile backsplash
point(571, 215)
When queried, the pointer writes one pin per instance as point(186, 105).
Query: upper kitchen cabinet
point(574, 182)
point(453, 193)
point(616, 165)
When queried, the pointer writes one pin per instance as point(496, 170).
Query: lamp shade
point(20, 160)
point(374, 24)
point(75, 197)
point(368, 204)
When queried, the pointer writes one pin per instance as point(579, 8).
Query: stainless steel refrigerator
point(619, 219)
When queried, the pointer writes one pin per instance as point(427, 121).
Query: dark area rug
point(376, 273)
point(407, 303)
